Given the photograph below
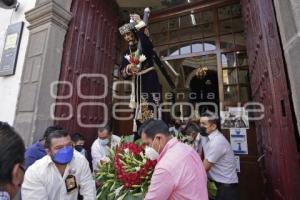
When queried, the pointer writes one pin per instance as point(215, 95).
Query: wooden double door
point(271, 169)
point(90, 47)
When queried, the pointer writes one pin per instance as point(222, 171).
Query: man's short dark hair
point(12, 151)
point(155, 126)
point(143, 126)
point(104, 128)
point(55, 134)
point(191, 128)
point(50, 129)
point(77, 137)
point(212, 118)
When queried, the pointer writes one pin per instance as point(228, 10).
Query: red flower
point(132, 178)
point(134, 60)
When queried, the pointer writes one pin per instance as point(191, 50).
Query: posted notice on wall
point(238, 140)
point(235, 117)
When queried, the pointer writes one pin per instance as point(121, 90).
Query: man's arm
point(97, 156)
point(161, 185)
point(214, 152)
point(33, 187)
point(116, 140)
point(207, 165)
point(87, 184)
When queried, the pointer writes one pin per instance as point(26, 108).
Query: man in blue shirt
point(37, 150)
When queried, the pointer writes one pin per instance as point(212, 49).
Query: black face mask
point(177, 126)
point(203, 131)
point(79, 148)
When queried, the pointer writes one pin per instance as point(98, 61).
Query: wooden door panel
point(269, 86)
point(89, 49)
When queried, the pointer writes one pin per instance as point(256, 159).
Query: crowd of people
point(214, 150)
point(56, 167)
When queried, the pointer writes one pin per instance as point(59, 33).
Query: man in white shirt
point(175, 127)
point(101, 146)
point(219, 159)
point(62, 174)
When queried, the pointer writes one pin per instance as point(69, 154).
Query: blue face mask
point(63, 156)
point(104, 142)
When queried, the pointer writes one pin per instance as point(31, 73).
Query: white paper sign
point(11, 41)
point(238, 163)
point(235, 117)
point(238, 140)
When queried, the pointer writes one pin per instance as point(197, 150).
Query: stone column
point(288, 16)
point(48, 26)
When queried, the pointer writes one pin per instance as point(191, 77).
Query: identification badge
point(70, 183)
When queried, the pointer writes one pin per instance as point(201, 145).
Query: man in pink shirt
point(179, 173)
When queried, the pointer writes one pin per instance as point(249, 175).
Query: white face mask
point(104, 142)
point(151, 153)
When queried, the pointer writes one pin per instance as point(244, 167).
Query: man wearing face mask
point(78, 143)
point(219, 159)
point(101, 146)
point(179, 173)
point(11, 160)
point(37, 150)
point(62, 174)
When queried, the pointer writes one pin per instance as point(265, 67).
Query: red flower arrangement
point(135, 59)
point(128, 173)
point(127, 177)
